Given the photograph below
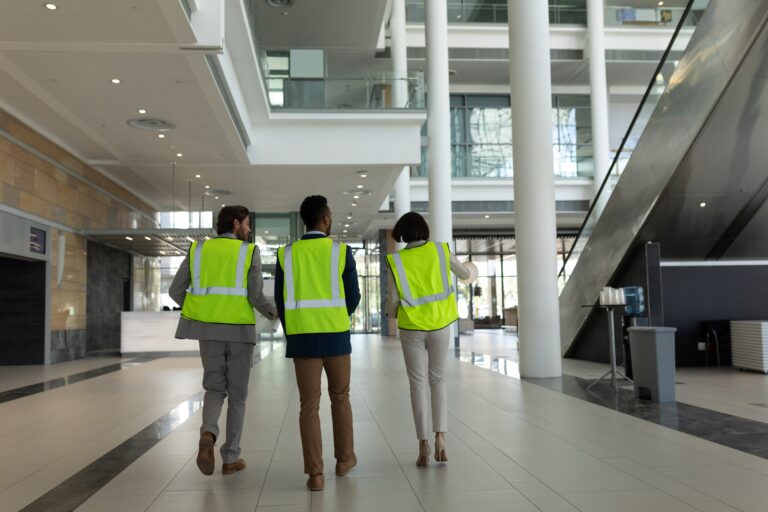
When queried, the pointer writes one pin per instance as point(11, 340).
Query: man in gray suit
point(218, 291)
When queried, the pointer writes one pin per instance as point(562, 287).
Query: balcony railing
point(624, 15)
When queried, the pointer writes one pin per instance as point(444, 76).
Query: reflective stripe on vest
point(240, 289)
point(336, 300)
point(408, 299)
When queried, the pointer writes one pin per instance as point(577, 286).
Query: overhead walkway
point(696, 181)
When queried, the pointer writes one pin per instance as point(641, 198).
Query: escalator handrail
point(648, 91)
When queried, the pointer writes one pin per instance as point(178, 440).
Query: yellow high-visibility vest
point(423, 279)
point(219, 290)
point(313, 289)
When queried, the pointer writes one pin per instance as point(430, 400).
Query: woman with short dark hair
point(424, 301)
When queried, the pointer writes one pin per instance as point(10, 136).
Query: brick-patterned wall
point(32, 185)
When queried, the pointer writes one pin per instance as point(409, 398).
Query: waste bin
point(653, 362)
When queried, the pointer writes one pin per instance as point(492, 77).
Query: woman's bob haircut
point(411, 227)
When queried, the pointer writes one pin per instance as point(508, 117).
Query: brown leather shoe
point(316, 482)
point(205, 458)
point(233, 467)
point(342, 468)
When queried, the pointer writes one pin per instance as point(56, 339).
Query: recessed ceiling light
point(661, 3)
point(354, 204)
point(207, 238)
point(266, 232)
point(362, 174)
point(349, 217)
point(142, 111)
point(190, 239)
point(207, 186)
point(162, 252)
point(487, 216)
point(223, 205)
point(115, 80)
point(216, 197)
point(169, 238)
point(179, 155)
point(355, 197)
point(359, 186)
point(129, 239)
point(197, 176)
point(147, 238)
point(702, 204)
point(160, 135)
point(50, 6)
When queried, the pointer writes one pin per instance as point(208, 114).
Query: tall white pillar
point(534, 182)
point(599, 93)
point(399, 48)
point(438, 121)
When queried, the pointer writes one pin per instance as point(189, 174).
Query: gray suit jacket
point(192, 329)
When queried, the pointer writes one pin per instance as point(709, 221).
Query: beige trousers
point(425, 354)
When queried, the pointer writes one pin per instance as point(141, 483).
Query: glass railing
point(464, 166)
point(381, 91)
point(656, 88)
point(471, 11)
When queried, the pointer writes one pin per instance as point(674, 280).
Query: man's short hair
point(227, 215)
point(312, 210)
point(411, 227)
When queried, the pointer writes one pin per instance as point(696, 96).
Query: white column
point(438, 121)
point(399, 48)
point(534, 182)
point(599, 93)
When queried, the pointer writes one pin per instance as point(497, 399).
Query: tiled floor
point(512, 445)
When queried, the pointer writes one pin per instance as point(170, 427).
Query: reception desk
point(150, 332)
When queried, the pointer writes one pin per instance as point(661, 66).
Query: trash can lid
point(652, 329)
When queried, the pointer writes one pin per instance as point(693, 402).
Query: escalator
point(696, 183)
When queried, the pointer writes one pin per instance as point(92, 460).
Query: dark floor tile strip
point(735, 432)
point(78, 488)
point(33, 389)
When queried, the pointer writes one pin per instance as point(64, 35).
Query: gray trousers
point(226, 371)
point(425, 354)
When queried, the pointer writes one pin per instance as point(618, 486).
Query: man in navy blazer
point(314, 352)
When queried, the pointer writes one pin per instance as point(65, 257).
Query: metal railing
point(653, 93)
point(460, 11)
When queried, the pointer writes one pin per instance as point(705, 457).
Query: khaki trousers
point(308, 374)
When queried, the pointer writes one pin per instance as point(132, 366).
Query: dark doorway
point(22, 311)
point(109, 294)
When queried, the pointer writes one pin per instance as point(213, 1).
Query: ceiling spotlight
point(359, 186)
point(487, 216)
point(702, 205)
point(346, 225)
point(50, 6)
point(147, 238)
point(142, 111)
point(169, 238)
point(354, 203)
point(344, 231)
point(661, 3)
point(223, 205)
point(355, 197)
point(129, 239)
point(190, 239)
point(349, 217)
point(362, 174)
point(162, 252)
point(207, 186)
point(197, 176)
point(160, 135)
point(179, 155)
point(216, 197)
point(115, 80)
point(266, 232)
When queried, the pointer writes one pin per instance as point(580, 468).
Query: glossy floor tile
point(512, 444)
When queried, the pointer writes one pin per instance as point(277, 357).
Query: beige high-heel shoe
point(440, 455)
point(424, 452)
